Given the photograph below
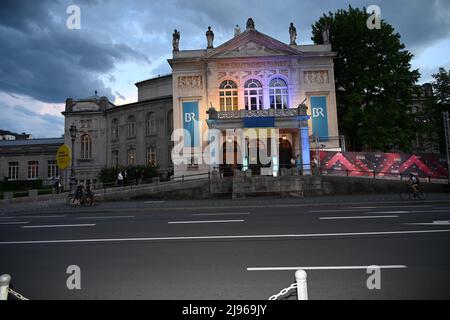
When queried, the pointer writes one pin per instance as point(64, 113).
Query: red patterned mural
point(383, 164)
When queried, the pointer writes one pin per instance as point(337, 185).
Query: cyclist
point(414, 184)
point(79, 194)
point(89, 194)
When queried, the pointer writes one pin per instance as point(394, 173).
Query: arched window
point(115, 129)
point(228, 96)
point(86, 147)
point(278, 92)
point(253, 95)
point(131, 125)
point(150, 124)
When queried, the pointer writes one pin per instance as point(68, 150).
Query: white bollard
point(302, 287)
point(4, 286)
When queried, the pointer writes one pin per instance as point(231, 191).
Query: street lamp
point(73, 134)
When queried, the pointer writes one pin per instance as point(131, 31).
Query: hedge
point(109, 175)
point(20, 185)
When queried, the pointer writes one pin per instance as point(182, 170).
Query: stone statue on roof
point(176, 40)
point(293, 34)
point(250, 24)
point(237, 30)
point(210, 38)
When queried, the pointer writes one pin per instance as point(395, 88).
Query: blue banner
point(260, 122)
point(319, 116)
point(191, 123)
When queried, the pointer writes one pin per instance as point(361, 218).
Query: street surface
point(224, 249)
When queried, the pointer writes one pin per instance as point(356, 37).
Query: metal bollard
point(4, 286)
point(302, 287)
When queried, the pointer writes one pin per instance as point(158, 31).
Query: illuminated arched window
point(115, 129)
point(278, 93)
point(86, 147)
point(228, 96)
point(131, 125)
point(150, 124)
point(253, 95)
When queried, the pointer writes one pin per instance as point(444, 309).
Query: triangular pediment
point(252, 43)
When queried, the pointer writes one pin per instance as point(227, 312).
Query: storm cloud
point(120, 43)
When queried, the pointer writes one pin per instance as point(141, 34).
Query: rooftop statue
point(210, 38)
point(293, 34)
point(250, 24)
point(176, 40)
point(326, 34)
point(237, 30)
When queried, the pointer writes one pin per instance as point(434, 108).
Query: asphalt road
point(238, 250)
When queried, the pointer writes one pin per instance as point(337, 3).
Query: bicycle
point(89, 200)
point(411, 194)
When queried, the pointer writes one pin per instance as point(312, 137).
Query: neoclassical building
point(251, 83)
point(132, 134)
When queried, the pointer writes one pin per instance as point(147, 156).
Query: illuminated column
point(304, 146)
point(214, 138)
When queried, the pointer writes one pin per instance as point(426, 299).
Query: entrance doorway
point(285, 153)
point(231, 157)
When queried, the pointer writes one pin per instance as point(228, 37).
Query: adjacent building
point(29, 159)
point(126, 135)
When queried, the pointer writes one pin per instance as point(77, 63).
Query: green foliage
point(432, 121)
point(109, 175)
point(20, 185)
point(373, 81)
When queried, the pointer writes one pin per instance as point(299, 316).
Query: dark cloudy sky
point(122, 42)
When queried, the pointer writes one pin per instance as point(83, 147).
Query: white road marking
point(151, 202)
point(325, 268)
point(357, 217)
point(382, 207)
point(222, 214)
point(398, 212)
point(111, 217)
point(40, 217)
point(392, 212)
point(12, 223)
point(211, 221)
point(60, 226)
point(241, 237)
point(434, 223)
point(338, 210)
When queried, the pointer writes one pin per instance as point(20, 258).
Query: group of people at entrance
point(298, 164)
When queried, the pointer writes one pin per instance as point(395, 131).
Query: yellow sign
point(63, 157)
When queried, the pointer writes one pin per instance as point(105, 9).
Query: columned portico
point(244, 96)
point(248, 128)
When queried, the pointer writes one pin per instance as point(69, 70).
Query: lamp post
point(73, 134)
point(447, 140)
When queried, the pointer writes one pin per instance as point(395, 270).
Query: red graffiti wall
point(370, 163)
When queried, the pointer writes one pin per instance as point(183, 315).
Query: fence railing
point(372, 174)
point(300, 285)
point(6, 291)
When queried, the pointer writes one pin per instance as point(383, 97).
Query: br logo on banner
point(320, 117)
point(191, 124)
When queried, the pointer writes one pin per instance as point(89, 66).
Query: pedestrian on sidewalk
point(120, 179)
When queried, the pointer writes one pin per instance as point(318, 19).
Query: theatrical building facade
point(252, 93)
point(250, 82)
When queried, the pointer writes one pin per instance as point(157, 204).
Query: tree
point(432, 116)
point(374, 81)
